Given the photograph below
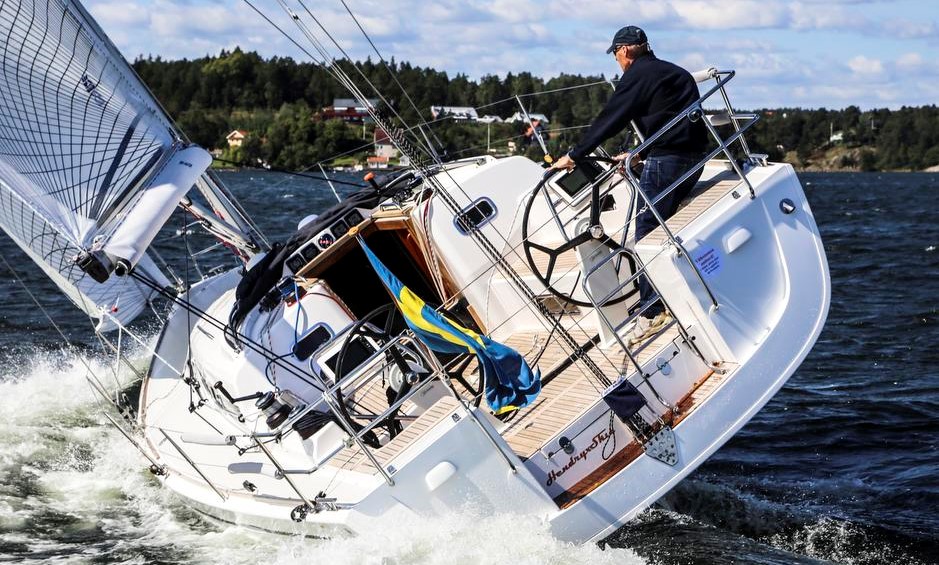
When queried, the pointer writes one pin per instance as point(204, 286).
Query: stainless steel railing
point(696, 112)
point(741, 123)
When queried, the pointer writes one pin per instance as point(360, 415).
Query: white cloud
point(786, 53)
point(909, 29)
point(910, 61)
point(732, 14)
point(862, 65)
point(829, 17)
point(119, 14)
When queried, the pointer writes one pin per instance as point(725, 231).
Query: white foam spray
point(64, 464)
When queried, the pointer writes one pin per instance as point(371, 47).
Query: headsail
point(89, 163)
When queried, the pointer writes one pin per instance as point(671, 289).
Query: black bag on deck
point(257, 282)
point(624, 399)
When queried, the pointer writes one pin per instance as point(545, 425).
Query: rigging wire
point(91, 377)
point(190, 379)
point(278, 28)
point(391, 72)
point(219, 325)
point(424, 122)
point(418, 163)
point(541, 92)
point(519, 136)
point(288, 172)
point(368, 81)
point(487, 246)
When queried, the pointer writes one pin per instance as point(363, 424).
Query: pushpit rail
point(741, 122)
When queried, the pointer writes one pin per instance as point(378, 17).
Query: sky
point(808, 53)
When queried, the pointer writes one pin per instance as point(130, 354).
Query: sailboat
point(458, 332)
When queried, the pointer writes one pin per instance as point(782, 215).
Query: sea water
point(841, 466)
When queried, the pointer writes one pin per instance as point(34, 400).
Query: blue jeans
point(657, 175)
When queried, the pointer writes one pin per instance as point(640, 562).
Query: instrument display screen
point(582, 175)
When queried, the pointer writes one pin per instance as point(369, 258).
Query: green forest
point(278, 101)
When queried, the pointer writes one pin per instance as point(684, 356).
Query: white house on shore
point(457, 112)
point(520, 117)
point(383, 145)
point(236, 138)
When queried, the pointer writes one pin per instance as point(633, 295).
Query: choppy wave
point(72, 489)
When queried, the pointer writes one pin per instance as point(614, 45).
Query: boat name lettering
point(578, 457)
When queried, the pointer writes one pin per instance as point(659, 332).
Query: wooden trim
point(600, 475)
point(633, 450)
point(334, 252)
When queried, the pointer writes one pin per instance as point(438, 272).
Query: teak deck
point(568, 395)
point(704, 195)
point(574, 389)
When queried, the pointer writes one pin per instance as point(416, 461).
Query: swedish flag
point(510, 382)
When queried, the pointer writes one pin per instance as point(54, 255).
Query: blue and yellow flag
point(510, 382)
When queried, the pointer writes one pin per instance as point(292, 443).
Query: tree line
point(278, 101)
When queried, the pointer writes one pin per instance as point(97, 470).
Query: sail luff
point(81, 142)
point(91, 166)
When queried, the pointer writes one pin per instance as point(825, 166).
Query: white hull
point(761, 333)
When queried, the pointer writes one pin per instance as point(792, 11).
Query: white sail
point(89, 163)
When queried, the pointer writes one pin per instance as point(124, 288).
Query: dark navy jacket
point(652, 92)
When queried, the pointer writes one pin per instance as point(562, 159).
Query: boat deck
point(572, 390)
point(571, 387)
point(352, 459)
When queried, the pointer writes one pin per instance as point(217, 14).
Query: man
point(651, 92)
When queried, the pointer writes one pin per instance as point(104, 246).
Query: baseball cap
point(629, 35)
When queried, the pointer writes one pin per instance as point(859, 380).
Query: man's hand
point(621, 159)
point(564, 162)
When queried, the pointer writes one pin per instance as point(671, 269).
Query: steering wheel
point(381, 325)
point(556, 225)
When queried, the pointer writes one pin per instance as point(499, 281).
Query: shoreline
point(933, 169)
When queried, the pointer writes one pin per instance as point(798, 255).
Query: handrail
point(694, 112)
point(365, 372)
point(347, 427)
point(437, 371)
point(285, 475)
point(193, 465)
point(470, 410)
point(615, 329)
